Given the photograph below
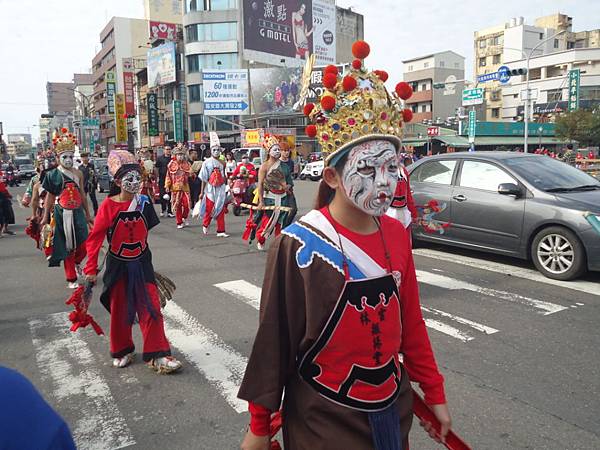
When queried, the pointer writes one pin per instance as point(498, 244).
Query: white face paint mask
point(275, 152)
point(215, 152)
point(131, 182)
point(180, 157)
point(66, 160)
point(370, 176)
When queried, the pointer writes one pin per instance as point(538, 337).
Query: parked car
point(26, 171)
point(523, 205)
point(104, 177)
point(313, 170)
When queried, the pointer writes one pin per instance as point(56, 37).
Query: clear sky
point(50, 40)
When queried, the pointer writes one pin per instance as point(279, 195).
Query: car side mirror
point(509, 189)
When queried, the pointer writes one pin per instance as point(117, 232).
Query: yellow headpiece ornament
point(64, 142)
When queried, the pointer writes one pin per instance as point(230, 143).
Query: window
point(423, 108)
point(196, 122)
point(410, 68)
point(219, 5)
point(589, 93)
point(423, 86)
point(442, 64)
point(496, 40)
point(556, 43)
point(193, 64)
point(580, 43)
point(456, 65)
point(426, 65)
point(482, 43)
point(495, 113)
point(496, 59)
point(414, 108)
point(224, 31)
point(482, 62)
point(554, 95)
point(570, 45)
point(438, 172)
point(196, 5)
point(211, 61)
point(195, 93)
point(541, 36)
point(483, 175)
point(495, 96)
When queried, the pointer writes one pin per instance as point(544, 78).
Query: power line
point(23, 104)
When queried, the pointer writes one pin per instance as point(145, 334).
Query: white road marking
point(78, 386)
point(453, 284)
point(247, 292)
point(533, 275)
point(447, 329)
point(221, 364)
point(479, 327)
point(579, 304)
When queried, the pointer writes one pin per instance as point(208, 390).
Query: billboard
point(324, 26)
point(162, 68)
point(163, 30)
point(225, 92)
point(275, 90)
point(152, 100)
point(275, 29)
point(128, 86)
point(111, 90)
point(316, 89)
point(120, 119)
point(178, 120)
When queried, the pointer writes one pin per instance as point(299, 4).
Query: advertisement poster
point(152, 101)
point(280, 28)
point(128, 86)
point(162, 68)
point(275, 90)
point(120, 120)
point(316, 88)
point(111, 90)
point(225, 92)
point(163, 30)
point(324, 21)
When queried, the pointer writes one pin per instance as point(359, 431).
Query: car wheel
point(302, 177)
point(558, 254)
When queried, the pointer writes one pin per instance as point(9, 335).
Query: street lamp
point(527, 85)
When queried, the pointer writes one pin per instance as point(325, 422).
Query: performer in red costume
point(124, 219)
point(340, 299)
point(177, 185)
point(403, 206)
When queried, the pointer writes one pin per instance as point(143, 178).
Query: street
point(519, 352)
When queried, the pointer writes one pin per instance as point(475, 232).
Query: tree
point(580, 125)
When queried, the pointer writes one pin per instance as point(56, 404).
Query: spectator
point(161, 166)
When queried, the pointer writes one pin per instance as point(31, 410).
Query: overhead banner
point(280, 28)
point(178, 120)
point(225, 92)
point(152, 106)
point(120, 119)
point(163, 30)
point(111, 90)
point(324, 40)
point(128, 86)
point(162, 68)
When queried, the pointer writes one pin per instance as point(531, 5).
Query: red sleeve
point(260, 419)
point(236, 172)
point(416, 347)
point(95, 239)
point(410, 201)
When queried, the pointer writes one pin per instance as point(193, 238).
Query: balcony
point(421, 97)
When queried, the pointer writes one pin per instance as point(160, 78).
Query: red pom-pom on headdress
point(329, 80)
point(404, 90)
point(382, 74)
point(63, 130)
point(407, 115)
point(357, 64)
point(349, 83)
point(328, 103)
point(330, 69)
point(360, 49)
point(311, 131)
point(308, 108)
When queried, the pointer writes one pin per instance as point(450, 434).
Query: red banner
point(128, 89)
point(163, 30)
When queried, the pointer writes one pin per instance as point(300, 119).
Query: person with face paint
point(177, 185)
point(274, 184)
point(214, 188)
point(340, 300)
point(129, 282)
point(66, 209)
point(403, 206)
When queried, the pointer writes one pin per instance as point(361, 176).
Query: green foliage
point(581, 125)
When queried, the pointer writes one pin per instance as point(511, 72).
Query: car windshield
point(26, 167)
point(551, 175)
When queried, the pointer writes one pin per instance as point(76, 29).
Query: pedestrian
point(569, 156)
point(294, 90)
point(340, 300)
point(129, 281)
point(7, 215)
point(291, 198)
point(161, 164)
point(195, 181)
point(230, 164)
point(66, 209)
point(177, 185)
point(214, 188)
point(285, 92)
point(90, 180)
point(278, 97)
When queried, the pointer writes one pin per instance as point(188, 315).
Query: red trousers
point(153, 330)
point(261, 229)
point(182, 211)
point(75, 257)
point(210, 205)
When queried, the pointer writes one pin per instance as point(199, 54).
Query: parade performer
point(274, 184)
point(214, 188)
point(177, 185)
point(403, 206)
point(41, 235)
point(129, 281)
point(340, 298)
point(66, 209)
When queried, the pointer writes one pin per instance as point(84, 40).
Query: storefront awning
point(515, 140)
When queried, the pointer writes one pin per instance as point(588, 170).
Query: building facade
point(429, 104)
point(13, 138)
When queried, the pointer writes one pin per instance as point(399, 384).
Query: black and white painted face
point(370, 176)
point(180, 157)
point(275, 152)
point(66, 160)
point(131, 182)
point(215, 152)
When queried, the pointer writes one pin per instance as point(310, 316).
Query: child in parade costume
point(177, 184)
point(214, 188)
point(129, 282)
point(274, 184)
point(66, 202)
point(340, 299)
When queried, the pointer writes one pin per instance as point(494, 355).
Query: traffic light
point(518, 72)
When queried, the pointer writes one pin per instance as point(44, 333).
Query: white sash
point(67, 214)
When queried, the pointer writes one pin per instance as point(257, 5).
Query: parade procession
point(326, 241)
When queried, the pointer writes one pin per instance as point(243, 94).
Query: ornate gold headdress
point(357, 107)
point(64, 142)
point(269, 141)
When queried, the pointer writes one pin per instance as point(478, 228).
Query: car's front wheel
point(558, 254)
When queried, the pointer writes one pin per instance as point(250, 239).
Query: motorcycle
point(240, 192)
point(11, 178)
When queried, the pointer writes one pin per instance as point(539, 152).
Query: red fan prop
point(79, 317)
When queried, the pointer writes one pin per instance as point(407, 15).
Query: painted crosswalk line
point(448, 330)
point(528, 274)
point(221, 364)
point(66, 361)
point(445, 282)
point(476, 326)
point(247, 292)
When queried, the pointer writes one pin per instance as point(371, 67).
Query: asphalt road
point(519, 352)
